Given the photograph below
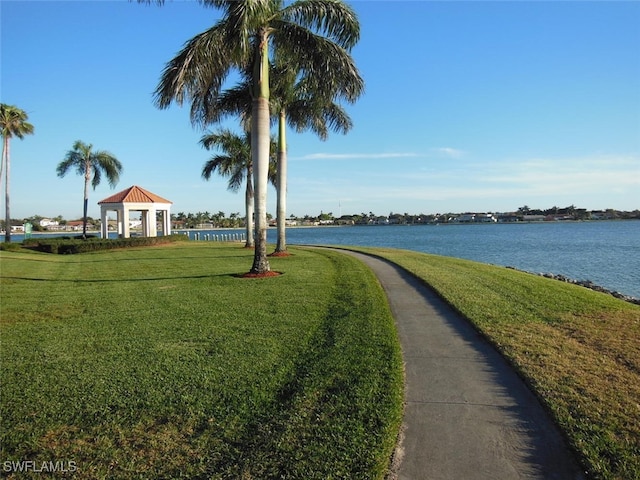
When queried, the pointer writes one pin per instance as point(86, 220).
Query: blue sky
point(469, 106)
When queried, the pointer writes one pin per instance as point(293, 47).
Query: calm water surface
point(607, 253)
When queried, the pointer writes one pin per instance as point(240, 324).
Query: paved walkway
point(468, 415)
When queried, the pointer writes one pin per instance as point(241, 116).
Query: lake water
point(605, 252)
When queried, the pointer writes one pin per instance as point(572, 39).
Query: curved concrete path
point(468, 415)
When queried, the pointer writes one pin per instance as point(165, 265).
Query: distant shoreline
point(186, 230)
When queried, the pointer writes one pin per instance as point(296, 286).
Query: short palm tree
point(307, 103)
point(318, 33)
point(235, 162)
point(13, 123)
point(92, 165)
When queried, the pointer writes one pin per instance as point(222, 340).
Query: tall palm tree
point(92, 165)
point(13, 123)
point(318, 33)
point(235, 162)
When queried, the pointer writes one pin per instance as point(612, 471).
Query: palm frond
point(320, 118)
point(95, 180)
point(328, 68)
point(332, 19)
point(13, 122)
point(236, 179)
point(233, 161)
point(213, 164)
point(234, 101)
point(83, 158)
point(64, 166)
point(199, 69)
point(109, 165)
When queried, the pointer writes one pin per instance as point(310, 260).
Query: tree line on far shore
point(220, 219)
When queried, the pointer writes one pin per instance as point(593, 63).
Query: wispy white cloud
point(355, 156)
point(597, 173)
point(432, 152)
point(448, 152)
point(590, 182)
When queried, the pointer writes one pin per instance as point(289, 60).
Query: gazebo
point(136, 199)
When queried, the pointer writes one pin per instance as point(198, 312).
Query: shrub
point(10, 246)
point(67, 245)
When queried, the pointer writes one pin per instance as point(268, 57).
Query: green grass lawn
point(160, 362)
point(578, 349)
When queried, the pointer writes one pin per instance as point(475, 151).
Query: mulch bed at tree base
point(279, 254)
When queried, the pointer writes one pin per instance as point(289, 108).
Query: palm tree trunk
point(7, 224)
point(281, 207)
point(260, 160)
point(260, 142)
point(5, 150)
point(87, 177)
point(250, 210)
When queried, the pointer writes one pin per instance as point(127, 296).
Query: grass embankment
point(160, 363)
point(579, 350)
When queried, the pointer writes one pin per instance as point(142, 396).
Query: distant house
point(507, 217)
point(75, 225)
point(601, 215)
point(345, 220)
point(476, 218)
point(47, 223)
point(466, 218)
point(533, 218)
point(558, 218)
point(396, 219)
point(486, 218)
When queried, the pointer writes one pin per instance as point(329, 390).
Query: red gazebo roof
point(134, 194)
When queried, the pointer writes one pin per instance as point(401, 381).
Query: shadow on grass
point(52, 257)
point(120, 280)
